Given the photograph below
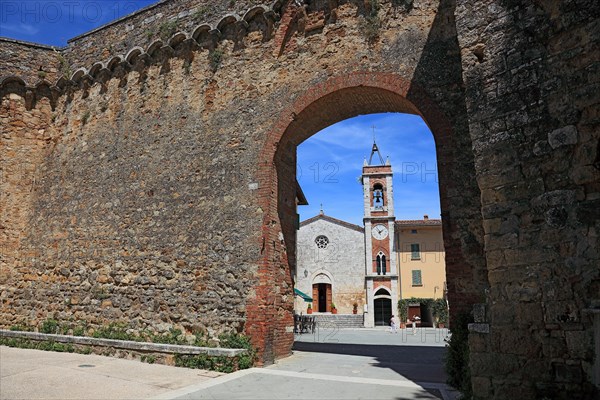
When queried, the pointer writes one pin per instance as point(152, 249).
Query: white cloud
point(26, 29)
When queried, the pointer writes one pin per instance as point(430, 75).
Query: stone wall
point(158, 188)
point(531, 73)
point(159, 22)
point(43, 62)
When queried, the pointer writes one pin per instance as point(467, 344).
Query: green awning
point(306, 297)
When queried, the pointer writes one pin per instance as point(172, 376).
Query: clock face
point(380, 232)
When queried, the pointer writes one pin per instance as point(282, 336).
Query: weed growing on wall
point(215, 59)
point(370, 24)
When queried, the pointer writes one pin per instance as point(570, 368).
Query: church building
point(367, 269)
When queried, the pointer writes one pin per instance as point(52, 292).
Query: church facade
point(367, 269)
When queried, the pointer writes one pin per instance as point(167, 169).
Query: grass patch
point(200, 13)
point(38, 345)
point(150, 359)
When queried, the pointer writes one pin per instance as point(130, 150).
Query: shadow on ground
point(417, 363)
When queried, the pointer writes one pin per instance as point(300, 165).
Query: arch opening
point(342, 98)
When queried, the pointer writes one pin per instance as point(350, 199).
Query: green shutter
point(416, 278)
point(415, 251)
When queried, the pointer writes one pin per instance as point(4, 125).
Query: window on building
point(416, 277)
point(322, 241)
point(381, 264)
point(413, 231)
point(378, 196)
point(415, 251)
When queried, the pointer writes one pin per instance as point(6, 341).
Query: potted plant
point(309, 309)
point(333, 309)
point(355, 308)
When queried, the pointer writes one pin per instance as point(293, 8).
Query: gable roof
point(419, 222)
point(333, 221)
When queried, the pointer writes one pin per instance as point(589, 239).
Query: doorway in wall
point(383, 311)
point(322, 297)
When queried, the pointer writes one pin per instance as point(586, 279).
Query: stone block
point(563, 136)
point(567, 373)
point(482, 387)
point(479, 313)
point(479, 328)
point(579, 344)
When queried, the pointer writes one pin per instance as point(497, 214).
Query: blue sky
point(53, 22)
point(338, 151)
point(329, 163)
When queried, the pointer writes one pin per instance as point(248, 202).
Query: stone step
point(340, 320)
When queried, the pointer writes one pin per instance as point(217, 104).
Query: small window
point(413, 231)
point(415, 251)
point(381, 264)
point(322, 241)
point(416, 277)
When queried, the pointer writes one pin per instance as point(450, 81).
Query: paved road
point(36, 374)
point(341, 364)
point(346, 364)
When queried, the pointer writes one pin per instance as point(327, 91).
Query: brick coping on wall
point(125, 344)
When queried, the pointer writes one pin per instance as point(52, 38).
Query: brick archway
point(270, 315)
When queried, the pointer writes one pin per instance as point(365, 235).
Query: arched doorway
point(322, 293)
point(382, 307)
point(334, 100)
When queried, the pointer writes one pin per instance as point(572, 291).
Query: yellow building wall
point(431, 263)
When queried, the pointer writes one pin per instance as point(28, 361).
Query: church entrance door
point(383, 311)
point(322, 295)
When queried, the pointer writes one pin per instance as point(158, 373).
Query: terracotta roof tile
point(422, 222)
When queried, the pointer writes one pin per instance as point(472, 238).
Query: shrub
point(457, 356)
point(215, 58)
point(49, 326)
point(439, 309)
point(114, 330)
point(80, 330)
point(167, 29)
point(172, 337)
point(236, 341)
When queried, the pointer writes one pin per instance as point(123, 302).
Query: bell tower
point(381, 272)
